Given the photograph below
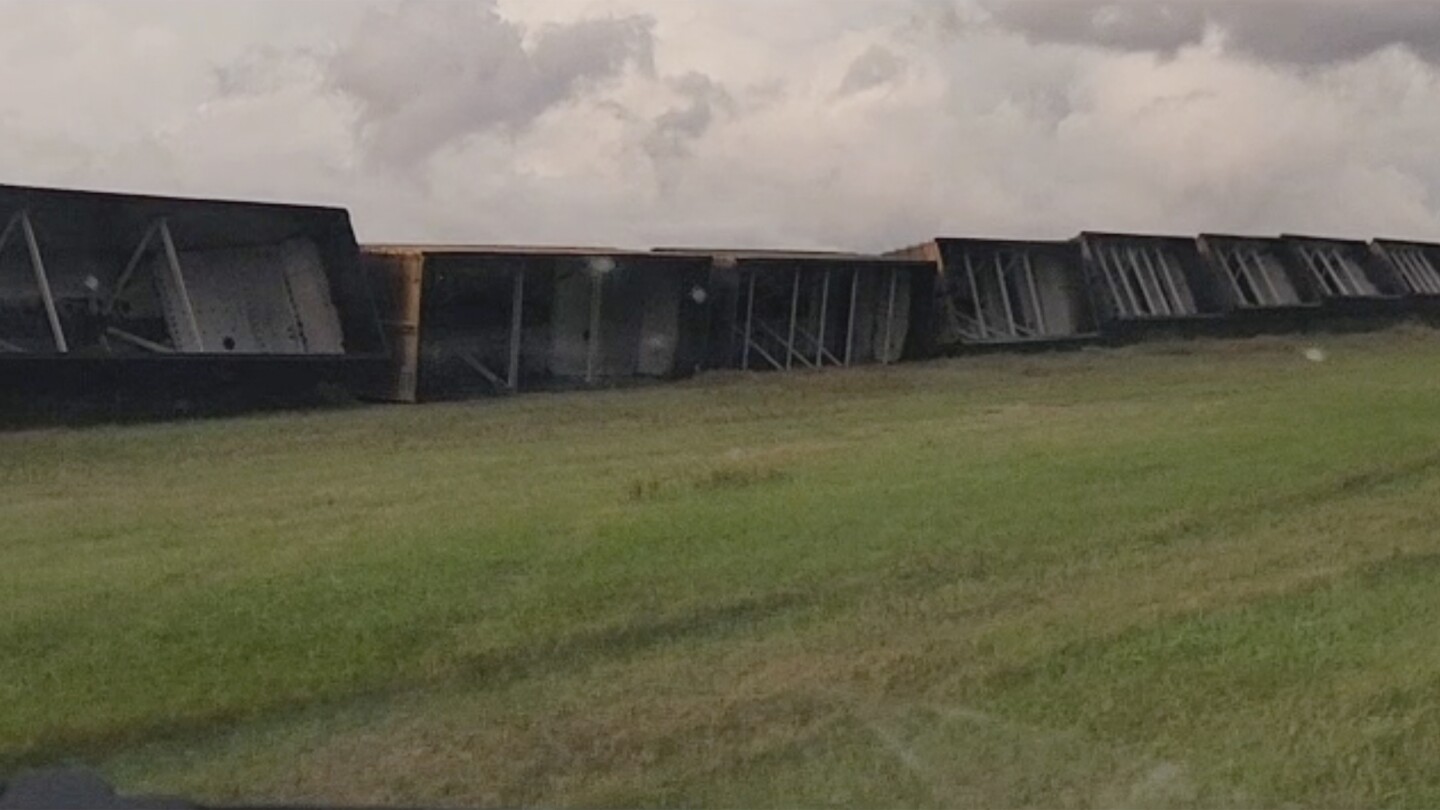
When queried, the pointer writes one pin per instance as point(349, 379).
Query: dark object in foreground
point(73, 790)
point(79, 789)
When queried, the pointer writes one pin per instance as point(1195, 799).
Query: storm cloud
point(428, 73)
point(864, 124)
point(1301, 32)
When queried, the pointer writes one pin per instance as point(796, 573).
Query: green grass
point(1184, 574)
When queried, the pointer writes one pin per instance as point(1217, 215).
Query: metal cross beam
point(189, 340)
point(21, 220)
point(517, 326)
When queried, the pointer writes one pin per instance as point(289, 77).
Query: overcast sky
point(860, 124)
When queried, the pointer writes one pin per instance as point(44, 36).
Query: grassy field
point(1177, 575)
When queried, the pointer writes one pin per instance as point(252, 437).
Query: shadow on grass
point(583, 650)
point(1351, 486)
point(493, 669)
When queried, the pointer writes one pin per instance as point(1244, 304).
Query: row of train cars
point(99, 290)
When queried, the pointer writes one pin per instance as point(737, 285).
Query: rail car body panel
point(467, 321)
point(997, 292)
point(1143, 283)
point(782, 311)
point(130, 288)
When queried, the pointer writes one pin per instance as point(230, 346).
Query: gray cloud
point(427, 73)
point(530, 121)
point(1123, 26)
point(1282, 31)
point(877, 67)
point(676, 129)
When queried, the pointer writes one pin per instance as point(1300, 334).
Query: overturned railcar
point(1350, 277)
point(782, 311)
point(103, 289)
point(1258, 275)
point(1415, 264)
point(994, 292)
point(1150, 282)
point(474, 321)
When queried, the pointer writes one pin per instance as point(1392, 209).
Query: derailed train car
point(474, 321)
point(789, 310)
point(1008, 293)
point(104, 289)
point(1417, 266)
point(466, 321)
point(1352, 278)
point(1260, 278)
point(1143, 284)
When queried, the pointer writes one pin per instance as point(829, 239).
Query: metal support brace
point(136, 340)
point(21, 220)
point(1421, 272)
point(517, 327)
point(1175, 277)
point(761, 351)
point(1423, 276)
point(42, 279)
point(592, 353)
point(1133, 261)
point(1406, 272)
point(130, 267)
point(1355, 273)
point(975, 296)
point(1264, 270)
point(822, 354)
point(1109, 275)
point(824, 314)
point(794, 316)
point(1230, 265)
point(850, 328)
point(1403, 260)
point(1121, 270)
point(1005, 294)
point(1341, 274)
point(1430, 280)
point(177, 278)
point(749, 324)
point(1155, 257)
point(177, 281)
point(1253, 277)
point(473, 361)
point(1321, 270)
point(890, 315)
point(793, 353)
point(1244, 269)
point(1035, 301)
point(1164, 289)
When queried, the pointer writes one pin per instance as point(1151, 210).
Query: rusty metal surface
point(397, 280)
